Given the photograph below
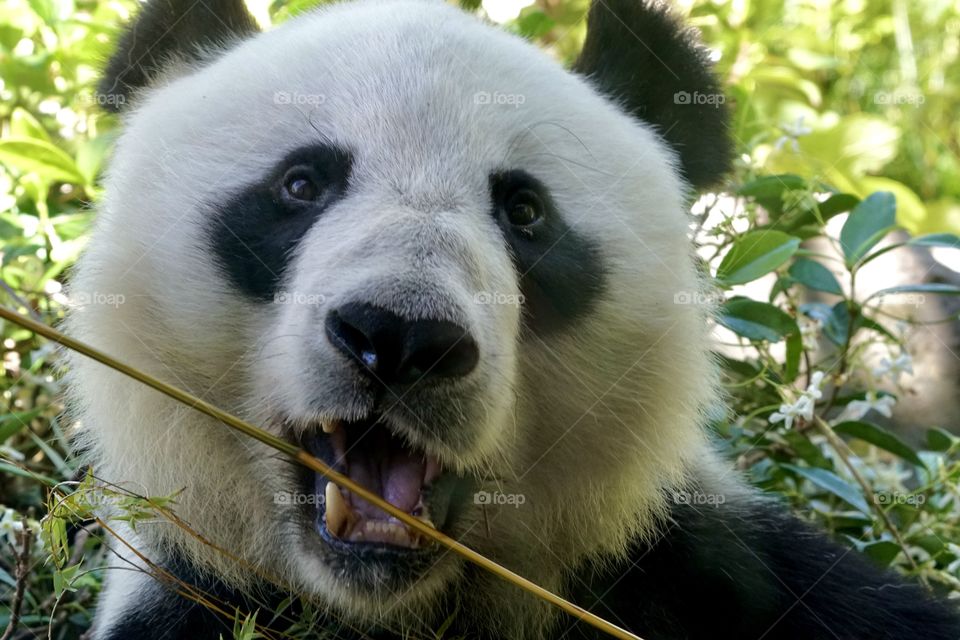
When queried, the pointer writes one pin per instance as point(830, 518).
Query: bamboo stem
point(300, 455)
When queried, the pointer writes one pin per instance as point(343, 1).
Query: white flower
point(10, 525)
point(802, 408)
point(859, 408)
point(813, 389)
point(895, 368)
point(792, 131)
point(954, 566)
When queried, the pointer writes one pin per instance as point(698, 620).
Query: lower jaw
point(378, 569)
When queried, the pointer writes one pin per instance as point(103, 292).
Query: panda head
point(422, 249)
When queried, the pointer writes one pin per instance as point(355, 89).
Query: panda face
point(421, 249)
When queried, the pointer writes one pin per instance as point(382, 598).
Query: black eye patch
point(561, 272)
point(254, 233)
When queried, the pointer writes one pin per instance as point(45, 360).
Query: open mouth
point(374, 457)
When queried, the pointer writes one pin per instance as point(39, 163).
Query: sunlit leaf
point(756, 254)
point(40, 157)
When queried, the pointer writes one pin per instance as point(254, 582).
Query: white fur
point(589, 424)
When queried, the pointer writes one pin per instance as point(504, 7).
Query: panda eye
point(300, 184)
point(524, 208)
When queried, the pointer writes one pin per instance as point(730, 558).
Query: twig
point(842, 450)
point(24, 539)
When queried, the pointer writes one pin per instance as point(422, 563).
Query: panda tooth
point(336, 511)
point(328, 426)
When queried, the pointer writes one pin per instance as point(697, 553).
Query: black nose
point(392, 349)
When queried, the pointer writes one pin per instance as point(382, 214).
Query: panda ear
point(168, 32)
point(638, 53)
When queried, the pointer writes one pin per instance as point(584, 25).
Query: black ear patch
point(168, 31)
point(642, 56)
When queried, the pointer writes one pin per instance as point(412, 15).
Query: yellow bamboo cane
point(300, 455)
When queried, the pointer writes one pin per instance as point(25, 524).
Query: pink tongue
point(395, 474)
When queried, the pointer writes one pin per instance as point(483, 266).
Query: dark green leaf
point(940, 440)
point(867, 224)
point(815, 276)
point(882, 551)
point(880, 437)
point(837, 204)
point(756, 320)
point(794, 351)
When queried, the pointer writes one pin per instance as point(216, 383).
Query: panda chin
point(370, 454)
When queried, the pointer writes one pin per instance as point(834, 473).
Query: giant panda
point(420, 248)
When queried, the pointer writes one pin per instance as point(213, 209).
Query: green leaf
point(882, 552)
point(880, 437)
point(11, 423)
point(40, 157)
point(756, 320)
point(863, 322)
point(756, 254)
point(24, 125)
point(948, 240)
point(835, 319)
point(940, 440)
point(837, 204)
point(794, 351)
point(867, 224)
point(772, 186)
point(936, 288)
point(815, 276)
point(831, 482)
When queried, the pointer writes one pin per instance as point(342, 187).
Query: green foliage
point(835, 114)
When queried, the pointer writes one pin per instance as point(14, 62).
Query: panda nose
point(392, 349)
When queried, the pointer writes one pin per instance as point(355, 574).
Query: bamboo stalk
point(301, 456)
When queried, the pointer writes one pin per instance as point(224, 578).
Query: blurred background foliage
point(862, 96)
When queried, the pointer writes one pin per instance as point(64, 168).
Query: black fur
point(642, 56)
point(741, 572)
point(166, 31)
point(561, 271)
point(254, 233)
point(751, 572)
point(161, 612)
